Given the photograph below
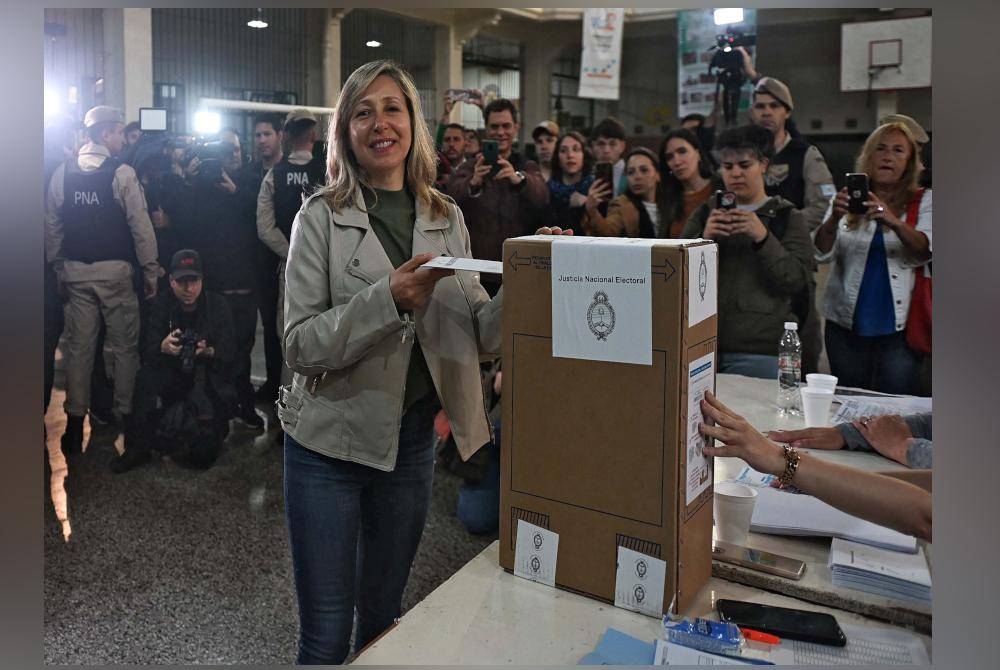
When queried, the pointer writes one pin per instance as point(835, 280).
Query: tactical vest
point(786, 175)
point(291, 182)
point(95, 227)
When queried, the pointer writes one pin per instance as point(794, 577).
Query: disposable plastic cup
point(821, 381)
point(733, 510)
point(816, 405)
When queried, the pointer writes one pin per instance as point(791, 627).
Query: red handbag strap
point(914, 208)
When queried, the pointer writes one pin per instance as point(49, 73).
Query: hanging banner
point(601, 59)
point(696, 33)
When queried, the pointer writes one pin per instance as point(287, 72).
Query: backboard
point(885, 55)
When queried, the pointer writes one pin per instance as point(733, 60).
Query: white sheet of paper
point(703, 282)
point(639, 582)
point(865, 646)
point(602, 305)
point(668, 653)
point(535, 553)
point(893, 564)
point(701, 378)
point(853, 407)
point(470, 264)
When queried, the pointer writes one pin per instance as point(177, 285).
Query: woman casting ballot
point(377, 344)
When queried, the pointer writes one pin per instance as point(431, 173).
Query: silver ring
point(865, 421)
point(880, 209)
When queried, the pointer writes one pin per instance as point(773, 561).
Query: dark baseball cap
point(186, 264)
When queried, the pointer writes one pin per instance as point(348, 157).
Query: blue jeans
point(883, 363)
point(479, 504)
point(749, 365)
point(354, 532)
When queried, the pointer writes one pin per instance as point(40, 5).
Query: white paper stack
point(782, 513)
point(880, 571)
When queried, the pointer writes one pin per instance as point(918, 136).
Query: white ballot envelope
point(467, 264)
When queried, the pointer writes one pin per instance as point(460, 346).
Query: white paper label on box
point(535, 553)
point(602, 305)
point(701, 378)
point(703, 282)
point(639, 583)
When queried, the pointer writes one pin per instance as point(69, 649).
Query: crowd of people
point(163, 254)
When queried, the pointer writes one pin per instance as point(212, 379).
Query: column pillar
point(128, 59)
point(332, 82)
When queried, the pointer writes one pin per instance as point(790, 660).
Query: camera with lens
point(727, 65)
point(189, 344)
point(211, 157)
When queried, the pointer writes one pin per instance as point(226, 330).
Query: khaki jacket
point(350, 348)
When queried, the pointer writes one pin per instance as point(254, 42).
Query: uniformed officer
point(97, 230)
point(282, 192)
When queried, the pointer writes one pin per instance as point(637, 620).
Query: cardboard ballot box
point(604, 453)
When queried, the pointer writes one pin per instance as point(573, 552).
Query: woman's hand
point(889, 435)
point(598, 192)
point(739, 438)
point(203, 349)
point(747, 223)
point(717, 226)
point(411, 286)
point(840, 203)
point(554, 230)
point(878, 211)
point(577, 199)
point(810, 438)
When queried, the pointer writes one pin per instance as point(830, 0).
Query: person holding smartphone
point(570, 182)
point(875, 257)
point(501, 193)
point(765, 254)
point(638, 212)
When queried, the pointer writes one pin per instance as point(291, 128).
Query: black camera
point(211, 157)
point(189, 344)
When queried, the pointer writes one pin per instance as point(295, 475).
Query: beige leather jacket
point(350, 348)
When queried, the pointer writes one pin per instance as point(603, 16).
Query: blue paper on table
point(617, 648)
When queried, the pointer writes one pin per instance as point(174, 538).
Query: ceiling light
point(727, 16)
point(259, 21)
point(373, 43)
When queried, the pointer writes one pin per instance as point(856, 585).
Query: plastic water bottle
point(789, 370)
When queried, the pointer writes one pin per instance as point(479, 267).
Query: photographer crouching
point(183, 393)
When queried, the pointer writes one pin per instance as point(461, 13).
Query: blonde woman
point(874, 257)
point(377, 344)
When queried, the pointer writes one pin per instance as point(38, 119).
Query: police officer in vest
point(798, 173)
point(97, 232)
point(282, 192)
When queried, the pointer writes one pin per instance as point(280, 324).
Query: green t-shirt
point(392, 218)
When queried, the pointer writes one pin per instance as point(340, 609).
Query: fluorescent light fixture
point(259, 21)
point(729, 15)
point(207, 123)
point(373, 43)
point(52, 102)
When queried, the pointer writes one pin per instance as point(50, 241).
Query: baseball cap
point(299, 115)
point(185, 264)
point(102, 114)
point(549, 127)
point(775, 88)
point(918, 132)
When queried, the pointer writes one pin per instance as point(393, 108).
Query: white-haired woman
point(377, 344)
point(875, 258)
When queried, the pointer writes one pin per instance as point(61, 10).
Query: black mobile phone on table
point(605, 171)
point(784, 622)
point(725, 200)
point(857, 192)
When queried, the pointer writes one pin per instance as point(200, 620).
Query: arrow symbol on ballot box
point(516, 260)
point(667, 270)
